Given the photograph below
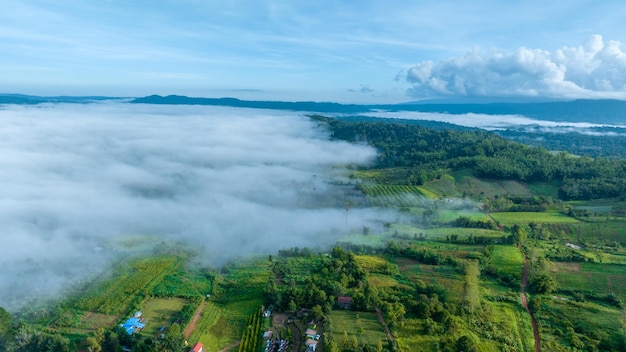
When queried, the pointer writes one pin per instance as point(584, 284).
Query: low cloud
point(365, 88)
point(594, 69)
point(488, 122)
point(79, 179)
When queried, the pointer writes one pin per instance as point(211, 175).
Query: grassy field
point(439, 233)
point(364, 325)
point(442, 187)
point(393, 195)
point(524, 218)
point(117, 295)
point(159, 311)
point(439, 275)
point(592, 322)
point(215, 329)
point(237, 294)
point(507, 259)
point(600, 278)
point(450, 215)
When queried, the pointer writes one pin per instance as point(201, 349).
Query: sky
point(365, 51)
point(83, 184)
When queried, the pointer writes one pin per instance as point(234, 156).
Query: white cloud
point(79, 177)
point(595, 69)
point(489, 122)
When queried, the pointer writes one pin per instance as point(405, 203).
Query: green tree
point(543, 283)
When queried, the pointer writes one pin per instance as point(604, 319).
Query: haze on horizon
point(364, 52)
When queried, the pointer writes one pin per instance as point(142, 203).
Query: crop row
point(115, 296)
point(393, 195)
point(252, 332)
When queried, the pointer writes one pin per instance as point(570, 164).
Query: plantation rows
point(210, 316)
point(115, 296)
point(252, 332)
point(393, 195)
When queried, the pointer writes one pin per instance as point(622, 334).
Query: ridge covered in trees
point(427, 153)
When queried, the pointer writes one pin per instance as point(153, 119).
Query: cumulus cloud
point(78, 180)
point(594, 69)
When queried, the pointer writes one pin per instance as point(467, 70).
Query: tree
point(543, 283)
point(92, 344)
point(317, 313)
point(466, 344)
point(291, 307)
point(471, 294)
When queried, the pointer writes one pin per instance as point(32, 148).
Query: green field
point(600, 278)
point(592, 324)
point(440, 233)
point(158, 312)
point(507, 259)
point(364, 325)
point(393, 195)
point(524, 218)
point(450, 215)
point(216, 329)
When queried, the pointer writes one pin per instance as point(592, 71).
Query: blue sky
point(346, 51)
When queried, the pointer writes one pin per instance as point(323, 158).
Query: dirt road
point(525, 303)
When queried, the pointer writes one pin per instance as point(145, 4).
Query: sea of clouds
point(78, 179)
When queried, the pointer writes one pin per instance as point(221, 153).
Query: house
point(133, 324)
point(344, 302)
point(197, 348)
point(311, 345)
point(310, 333)
point(267, 335)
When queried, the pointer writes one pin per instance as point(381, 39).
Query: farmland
point(445, 272)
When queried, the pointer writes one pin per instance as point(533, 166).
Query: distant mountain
point(593, 111)
point(322, 107)
point(33, 99)
point(610, 112)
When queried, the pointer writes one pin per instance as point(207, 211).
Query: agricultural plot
point(379, 281)
point(513, 325)
point(442, 233)
point(476, 187)
point(507, 259)
point(298, 268)
point(600, 231)
point(442, 187)
point(374, 264)
point(214, 330)
point(158, 312)
point(412, 336)
point(591, 322)
point(440, 275)
point(450, 215)
point(116, 296)
point(524, 218)
point(393, 195)
point(591, 277)
point(364, 325)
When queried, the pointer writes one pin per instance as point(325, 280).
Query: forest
point(425, 154)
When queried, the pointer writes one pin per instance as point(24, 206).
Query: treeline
point(425, 152)
point(594, 142)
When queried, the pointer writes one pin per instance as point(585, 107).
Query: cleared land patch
point(158, 312)
point(364, 325)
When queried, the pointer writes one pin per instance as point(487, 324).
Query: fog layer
point(76, 179)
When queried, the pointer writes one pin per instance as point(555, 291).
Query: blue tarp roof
point(131, 324)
